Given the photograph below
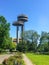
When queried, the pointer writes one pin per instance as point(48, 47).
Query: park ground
point(3, 56)
point(6, 56)
point(38, 59)
point(30, 59)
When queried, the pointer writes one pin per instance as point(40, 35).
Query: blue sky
point(36, 10)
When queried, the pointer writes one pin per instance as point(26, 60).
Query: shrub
point(21, 47)
point(14, 60)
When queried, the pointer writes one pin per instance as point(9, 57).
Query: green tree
point(44, 42)
point(31, 36)
point(4, 32)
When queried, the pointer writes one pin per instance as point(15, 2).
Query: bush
point(21, 47)
point(26, 46)
point(14, 60)
point(42, 53)
point(45, 53)
point(12, 47)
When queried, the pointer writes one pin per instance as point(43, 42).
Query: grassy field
point(38, 59)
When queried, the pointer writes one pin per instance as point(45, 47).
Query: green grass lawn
point(38, 59)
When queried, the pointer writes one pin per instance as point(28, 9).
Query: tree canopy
point(4, 32)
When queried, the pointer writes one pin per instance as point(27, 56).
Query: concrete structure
point(20, 22)
point(15, 40)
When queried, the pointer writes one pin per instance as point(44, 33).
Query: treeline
point(34, 42)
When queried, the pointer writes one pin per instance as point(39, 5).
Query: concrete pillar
point(22, 30)
point(17, 35)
